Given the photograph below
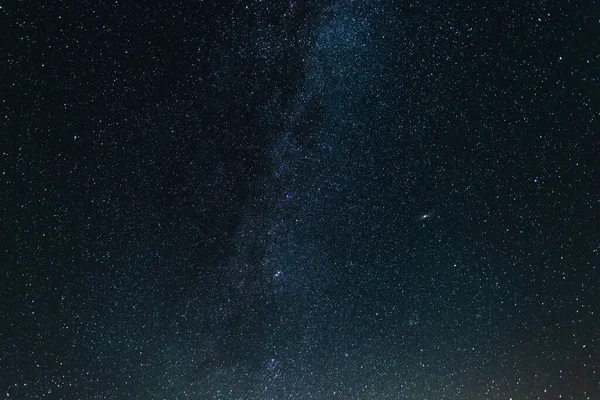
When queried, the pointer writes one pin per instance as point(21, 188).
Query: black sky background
point(312, 200)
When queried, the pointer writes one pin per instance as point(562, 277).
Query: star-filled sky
point(336, 199)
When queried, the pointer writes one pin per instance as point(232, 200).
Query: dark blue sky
point(304, 200)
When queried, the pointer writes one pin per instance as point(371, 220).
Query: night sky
point(335, 199)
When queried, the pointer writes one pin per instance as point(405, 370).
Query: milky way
point(303, 200)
